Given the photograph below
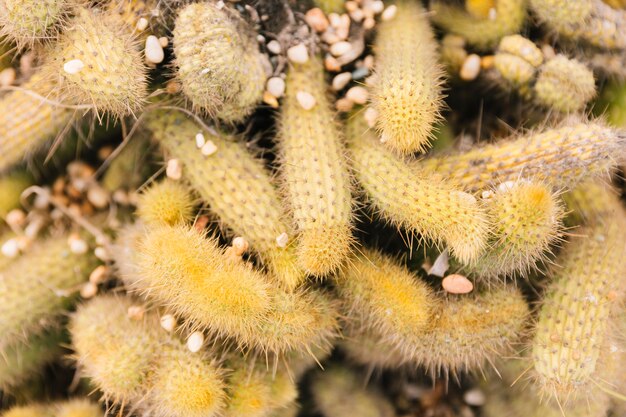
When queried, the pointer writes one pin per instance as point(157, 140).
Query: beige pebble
point(10, 248)
point(200, 140)
point(368, 61)
point(154, 50)
point(274, 47)
point(142, 24)
point(306, 100)
point(168, 322)
point(358, 94)
point(389, 13)
point(506, 186)
point(136, 312)
point(89, 290)
point(174, 169)
point(208, 148)
point(474, 397)
point(341, 80)
point(370, 115)
point(470, 68)
point(195, 342)
point(441, 265)
point(351, 6)
point(369, 23)
point(486, 194)
point(457, 284)
point(99, 274)
point(377, 6)
point(344, 105)
point(331, 64)
point(16, 218)
point(77, 245)
point(343, 30)
point(98, 196)
point(240, 245)
point(298, 54)
point(7, 77)
point(276, 86)
point(164, 41)
point(269, 99)
point(74, 66)
point(487, 62)
point(357, 15)
point(102, 253)
point(330, 37)
point(316, 19)
point(548, 51)
point(335, 20)
point(340, 48)
point(282, 240)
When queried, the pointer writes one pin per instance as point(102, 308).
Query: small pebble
point(470, 68)
point(360, 73)
point(74, 66)
point(506, 186)
point(377, 6)
point(341, 80)
point(154, 50)
point(164, 41)
point(98, 196)
point(269, 99)
point(282, 240)
point(276, 86)
point(316, 19)
point(441, 265)
point(335, 20)
point(370, 116)
point(10, 248)
point(136, 312)
point(298, 54)
point(487, 62)
point(200, 140)
point(168, 322)
point(357, 94)
point(344, 105)
point(98, 275)
point(457, 284)
point(89, 290)
point(474, 397)
point(195, 342)
point(102, 253)
point(240, 245)
point(340, 48)
point(389, 13)
point(369, 23)
point(7, 77)
point(208, 148)
point(351, 6)
point(344, 26)
point(331, 64)
point(306, 100)
point(357, 15)
point(142, 24)
point(274, 47)
point(77, 245)
point(174, 169)
point(486, 194)
point(16, 218)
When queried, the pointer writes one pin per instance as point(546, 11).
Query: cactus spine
point(407, 88)
point(315, 172)
point(218, 59)
point(416, 200)
point(560, 157)
point(236, 186)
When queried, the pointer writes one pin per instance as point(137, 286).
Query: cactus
point(28, 118)
point(482, 32)
point(166, 203)
point(339, 391)
point(236, 186)
point(564, 84)
point(517, 59)
point(219, 64)
point(76, 407)
point(38, 287)
point(97, 62)
point(315, 172)
point(589, 21)
point(527, 218)
point(407, 89)
point(416, 200)
point(131, 167)
point(132, 360)
point(560, 157)
point(11, 187)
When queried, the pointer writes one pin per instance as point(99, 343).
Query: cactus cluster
point(280, 208)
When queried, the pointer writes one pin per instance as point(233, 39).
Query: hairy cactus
point(560, 157)
point(482, 32)
point(315, 172)
point(416, 200)
point(166, 203)
point(517, 59)
point(237, 188)
point(219, 64)
point(77, 407)
point(11, 187)
point(407, 87)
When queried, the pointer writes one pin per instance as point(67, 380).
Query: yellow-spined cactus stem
point(386, 297)
point(339, 391)
point(579, 306)
point(407, 90)
point(564, 84)
point(219, 64)
point(166, 203)
point(505, 18)
point(29, 21)
point(131, 11)
point(11, 187)
point(28, 118)
point(25, 359)
point(237, 188)
point(560, 157)
point(315, 171)
point(37, 287)
point(527, 217)
point(517, 60)
point(33, 410)
point(588, 21)
point(133, 361)
point(182, 269)
point(416, 200)
point(78, 407)
point(98, 62)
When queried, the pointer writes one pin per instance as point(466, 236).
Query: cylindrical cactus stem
point(28, 118)
point(166, 203)
point(36, 288)
point(407, 90)
point(219, 64)
point(560, 157)
point(76, 407)
point(237, 188)
point(98, 62)
point(11, 187)
point(27, 22)
point(339, 391)
point(314, 171)
point(504, 18)
point(23, 360)
point(414, 199)
point(589, 21)
point(526, 218)
point(133, 361)
point(575, 320)
point(517, 60)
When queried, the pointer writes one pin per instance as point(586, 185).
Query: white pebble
point(102, 254)
point(441, 265)
point(306, 100)
point(377, 6)
point(474, 397)
point(142, 24)
point(98, 196)
point(168, 322)
point(506, 186)
point(200, 141)
point(174, 170)
point(16, 218)
point(274, 47)
point(486, 194)
point(88, 290)
point(389, 13)
point(73, 67)
point(154, 50)
point(357, 94)
point(470, 68)
point(10, 248)
point(370, 116)
point(298, 54)
point(341, 80)
point(77, 245)
point(240, 245)
point(276, 86)
point(136, 312)
point(340, 48)
point(208, 149)
point(282, 240)
point(164, 42)
point(7, 77)
point(195, 342)
point(219, 5)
